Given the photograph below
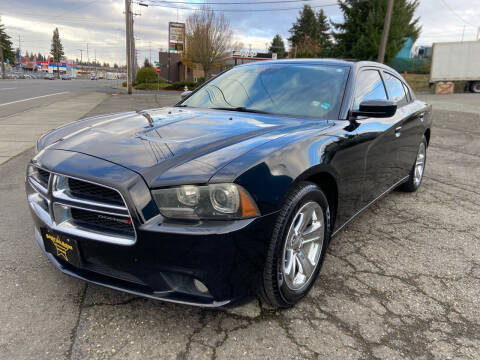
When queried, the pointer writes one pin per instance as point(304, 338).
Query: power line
point(243, 10)
point(458, 16)
point(230, 3)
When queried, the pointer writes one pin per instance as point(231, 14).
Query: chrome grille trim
point(39, 187)
point(65, 196)
point(56, 199)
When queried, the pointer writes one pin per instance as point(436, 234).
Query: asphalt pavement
point(401, 281)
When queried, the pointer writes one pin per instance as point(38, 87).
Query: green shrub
point(124, 84)
point(411, 66)
point(151, 86)
point(180, 85)
point(146, 75)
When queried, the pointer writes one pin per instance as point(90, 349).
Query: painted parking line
point(7, 88)
point(33, 98)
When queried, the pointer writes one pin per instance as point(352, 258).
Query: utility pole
point(88, 56)
point(81, 55)
point(150, 50)
point(2, 62)
point(129, 42)
point(386, 30)
point(95, 65)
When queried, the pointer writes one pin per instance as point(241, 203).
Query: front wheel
point(297, 247)
point(416, 174)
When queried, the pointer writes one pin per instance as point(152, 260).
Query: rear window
point(396, 89)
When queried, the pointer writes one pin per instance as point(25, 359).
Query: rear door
point(408, 132)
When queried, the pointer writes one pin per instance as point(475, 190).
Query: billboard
point(176, 36)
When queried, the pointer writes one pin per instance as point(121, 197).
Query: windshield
point(304, 90)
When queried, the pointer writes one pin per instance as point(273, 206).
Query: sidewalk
point(20, 132)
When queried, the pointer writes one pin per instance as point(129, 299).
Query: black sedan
point(236, 190)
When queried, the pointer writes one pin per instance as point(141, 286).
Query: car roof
point(326, 61)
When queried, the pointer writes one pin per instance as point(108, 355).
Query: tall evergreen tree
point(146, 63)
point(311, 34)
point(6, 44)
point(359, 35)
point(56, 49)
point(306, 25)
point(323, 31)
point(278, 46)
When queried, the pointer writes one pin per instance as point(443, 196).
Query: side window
point(407, 91)
point(369, 87)
point(396, 90)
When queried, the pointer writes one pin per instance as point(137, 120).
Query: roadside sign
point(176, 36)
point(157, 69)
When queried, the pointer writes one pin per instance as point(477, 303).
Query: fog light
point(200, 286)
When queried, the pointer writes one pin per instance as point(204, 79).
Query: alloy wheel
point(419, 165)
point(303, 246)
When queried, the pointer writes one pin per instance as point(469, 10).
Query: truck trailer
point(457, 61)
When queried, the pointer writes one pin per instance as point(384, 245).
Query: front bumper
point(166, 265)
point(162, 260)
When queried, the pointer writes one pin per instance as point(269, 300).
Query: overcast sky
point(101, 23)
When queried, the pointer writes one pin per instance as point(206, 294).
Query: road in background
point(401, 281)
point(29, 108)
point(21, 95)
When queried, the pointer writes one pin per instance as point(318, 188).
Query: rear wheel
point(416, 174)
point(297, 247)
point(475, 87)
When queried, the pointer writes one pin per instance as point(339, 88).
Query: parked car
point(49, 77)
point(238, 188)
point(93, 77)
point(66, 77)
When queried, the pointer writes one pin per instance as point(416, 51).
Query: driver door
point(380, 161)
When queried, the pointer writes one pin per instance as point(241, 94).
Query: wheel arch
point(427, 136)
point(324, 178)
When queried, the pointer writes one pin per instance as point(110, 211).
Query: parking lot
point(401, 281)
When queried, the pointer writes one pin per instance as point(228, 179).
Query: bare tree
point(208, 38)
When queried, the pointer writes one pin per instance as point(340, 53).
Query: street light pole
point(386, 30)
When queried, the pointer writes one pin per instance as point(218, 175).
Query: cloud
point(101, 24)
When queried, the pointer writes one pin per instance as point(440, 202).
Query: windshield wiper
point(241, 109)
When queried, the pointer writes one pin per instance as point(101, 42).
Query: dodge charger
point(235, 191)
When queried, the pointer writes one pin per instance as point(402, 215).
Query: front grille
point(102, 222)
point(89, 191)
point(80, 208)
point(43, 177)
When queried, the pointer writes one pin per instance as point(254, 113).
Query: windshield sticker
point(326, 106)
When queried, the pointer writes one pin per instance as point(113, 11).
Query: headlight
point(215, 201)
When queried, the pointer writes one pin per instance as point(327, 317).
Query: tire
point(414, 182)
point(475, 87)
point(292, 268)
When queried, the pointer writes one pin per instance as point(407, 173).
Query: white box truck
point(457, 61)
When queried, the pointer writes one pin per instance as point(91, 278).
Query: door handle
point(397, 131)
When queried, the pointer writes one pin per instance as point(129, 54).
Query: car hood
point(168, 145)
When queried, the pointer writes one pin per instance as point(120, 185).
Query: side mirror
point(376, 109)
point(185, 94)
